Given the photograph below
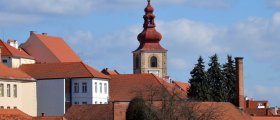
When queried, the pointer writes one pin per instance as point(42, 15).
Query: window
point(136, 62)
point(15, 91)
point(84, 87)
point(15, 107)
point(8, 90)
point(4, 61)
point(95, 102)
point(100, 102)
point(100, 85)
point(76, 103)
point(153, 61)
point(84, 103)
point(105, 88)
point(1, 107)
point(1, 90)
point(76, 87)
point(8, 107)
point(95, 87)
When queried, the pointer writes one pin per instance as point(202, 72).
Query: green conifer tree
point(229, 72)
point(216, 80)
point(199, 86)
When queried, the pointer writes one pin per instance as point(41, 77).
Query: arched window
point(153, 61)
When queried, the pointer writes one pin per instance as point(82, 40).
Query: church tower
point(150, 56)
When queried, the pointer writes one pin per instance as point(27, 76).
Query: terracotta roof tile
point(182, 85)
point(259, 111)
point(8, 50)
point(61, 70)
point(265, 118)
point(49, 49)
point(90, 112)
point(225, 110)
point(11, 73)
point(13, 114)
point(125, 87)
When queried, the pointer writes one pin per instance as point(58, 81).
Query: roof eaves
point(16, 78)
point(87, 69)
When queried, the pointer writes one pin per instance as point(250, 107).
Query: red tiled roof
point(125, 87)
point(182, 85)
point(11, 73)
point(225, 110)
point(49, 49)
point(219, 110)
point(90, 112)
point(61, 70)
point(13, 114)
point(8, 50)
point(265, 118)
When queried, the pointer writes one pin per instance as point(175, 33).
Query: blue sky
point(104, 33)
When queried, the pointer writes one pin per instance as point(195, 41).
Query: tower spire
point(149, 16)
point(149, 35)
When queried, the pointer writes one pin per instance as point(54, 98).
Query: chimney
point(13, 43)
point(32, 32)
point(42, 114)
point(240, 82)
point(45, 34)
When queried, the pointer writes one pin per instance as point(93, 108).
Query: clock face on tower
point(155, 72)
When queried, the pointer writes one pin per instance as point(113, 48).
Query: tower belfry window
point(136, 62)
point(153, 61)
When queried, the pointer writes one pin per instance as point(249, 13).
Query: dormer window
point(153, 61)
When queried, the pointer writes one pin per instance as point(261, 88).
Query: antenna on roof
point(3, 35)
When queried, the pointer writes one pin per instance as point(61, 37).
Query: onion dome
point(149, 34)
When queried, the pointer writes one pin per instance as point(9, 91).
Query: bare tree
point(170, 103)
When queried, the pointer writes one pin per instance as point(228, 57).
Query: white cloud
point(191, 36)
point(57, 7)
point(112, 50)
point(10, 19)
point(273, 3)
point(41, 9)
point(212, 4)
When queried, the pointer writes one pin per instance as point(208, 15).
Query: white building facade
point(90, 91)
point(20, 94)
